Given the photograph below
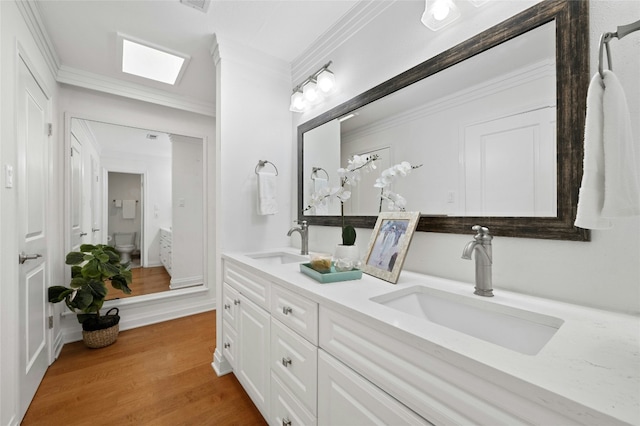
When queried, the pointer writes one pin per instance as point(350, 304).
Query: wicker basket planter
point(101, 331)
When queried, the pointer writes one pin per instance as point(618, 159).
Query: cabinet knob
point(286, 310)
point(286, 362)
point(227, 345)
point(236, 302)
point(286, 421)
point(227, 306)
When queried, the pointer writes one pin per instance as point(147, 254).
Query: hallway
point(155, 375)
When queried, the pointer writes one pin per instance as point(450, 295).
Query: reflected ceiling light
point(346, 117)
point(144, 60)
point(478, 3)
point(312, 90)
point(439, 13)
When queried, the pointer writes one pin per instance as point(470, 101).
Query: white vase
point(347, 252)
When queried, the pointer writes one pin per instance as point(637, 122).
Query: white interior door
point(32, 185)
point(77, 176)
point(96, 203)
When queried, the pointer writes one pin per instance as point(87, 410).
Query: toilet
point(124, 242)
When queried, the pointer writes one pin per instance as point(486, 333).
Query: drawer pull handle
point(286, 310)
point(286, 422)
point(236, 302)
point(227, 345)
point(286, 362)
point(227, 306)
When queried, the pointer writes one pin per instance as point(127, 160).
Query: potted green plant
point(90, 268)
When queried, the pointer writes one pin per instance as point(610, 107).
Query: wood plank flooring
point(145, 281)
point(155, 375)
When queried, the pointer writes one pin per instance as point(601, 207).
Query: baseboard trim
point(186, 282)
point(152, 313)
point(220, 364)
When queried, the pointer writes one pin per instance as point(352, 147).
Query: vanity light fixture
point(312, 90)
point(439, 13)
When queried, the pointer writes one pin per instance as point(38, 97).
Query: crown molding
point(351, 23)
point(32, 18)
point(75, 77)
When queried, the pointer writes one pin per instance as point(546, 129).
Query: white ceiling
point(84, 33)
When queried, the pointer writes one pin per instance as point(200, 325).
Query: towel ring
point(605, 38)
point(315, 170)
point(262, 163)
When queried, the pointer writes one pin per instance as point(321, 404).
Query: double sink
point(520, 330)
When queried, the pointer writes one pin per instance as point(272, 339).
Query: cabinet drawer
point(252, 286)
point(230, 302)
point(437, 390)
point(229, 343)
point(294, 361)
point(345, 397)
point(296, 312)
point(286, 410)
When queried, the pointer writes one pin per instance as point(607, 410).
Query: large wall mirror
point(142, 191)
point(496, 122)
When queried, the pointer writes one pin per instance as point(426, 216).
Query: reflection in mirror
point(142, 192)
point(484, 129)
point(496, 121)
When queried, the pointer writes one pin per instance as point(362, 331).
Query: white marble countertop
point(592, 360)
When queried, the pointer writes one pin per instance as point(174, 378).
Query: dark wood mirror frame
point(572, 80)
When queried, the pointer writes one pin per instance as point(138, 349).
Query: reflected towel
point(609, 186)
point(128, 209)
point(267, 192)
point(118, 203)
point(323, 208)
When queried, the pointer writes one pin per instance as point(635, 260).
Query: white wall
point(14, 33)
point(603, 273)
point(187, 206)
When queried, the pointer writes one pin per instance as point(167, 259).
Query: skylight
point(152, 63)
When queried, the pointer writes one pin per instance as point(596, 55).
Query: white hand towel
point(267, 192)
point(609, 186)
point(118, 203)
point(323, 208)
point(128, 209)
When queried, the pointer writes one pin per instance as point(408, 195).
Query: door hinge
point(49, 129)
point(71, 149)
point(51, 321)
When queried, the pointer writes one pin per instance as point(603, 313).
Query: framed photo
point(389, 244)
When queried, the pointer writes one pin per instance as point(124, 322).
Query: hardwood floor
point(145, 281)
point(155, 375)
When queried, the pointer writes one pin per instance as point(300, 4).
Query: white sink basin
point(523, 331)
point(278, 258)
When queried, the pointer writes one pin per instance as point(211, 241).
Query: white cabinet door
point(346, 398)
point(253, 352)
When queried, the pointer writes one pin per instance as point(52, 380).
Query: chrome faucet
point(481, 244)
point(303, 229)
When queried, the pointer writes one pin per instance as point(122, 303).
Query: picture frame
point(389, 244)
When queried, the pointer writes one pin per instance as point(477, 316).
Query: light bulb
point(326, 81)
point(311, 93)
point(440, 10)
point(298, 104)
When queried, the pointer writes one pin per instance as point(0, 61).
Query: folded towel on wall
point(118, 203)
point(267, 193)
point(610, 186)
point(323, 208)
point(128, 209)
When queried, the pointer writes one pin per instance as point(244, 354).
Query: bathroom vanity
point(423, 351)
point(166, 237)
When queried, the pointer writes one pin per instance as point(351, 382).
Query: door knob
point(24, 257)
